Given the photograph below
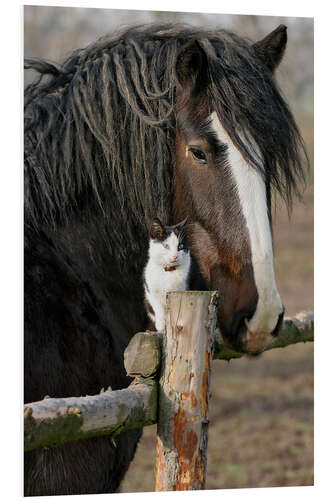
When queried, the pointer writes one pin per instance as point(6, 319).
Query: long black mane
point(100, 127)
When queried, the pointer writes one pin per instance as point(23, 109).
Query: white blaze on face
point(252, 196)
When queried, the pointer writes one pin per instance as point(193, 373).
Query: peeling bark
point(182, 429)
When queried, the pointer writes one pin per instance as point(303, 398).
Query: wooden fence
point(171, 374)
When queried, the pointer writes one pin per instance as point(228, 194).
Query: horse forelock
point(102, 127)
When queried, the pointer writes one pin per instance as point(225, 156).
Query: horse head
point(235, 139)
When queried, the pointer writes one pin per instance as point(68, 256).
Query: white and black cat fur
point(167, 268)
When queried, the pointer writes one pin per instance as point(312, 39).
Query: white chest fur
point(158, 282)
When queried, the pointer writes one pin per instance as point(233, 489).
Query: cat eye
point(180, 246)
point(198, 155)
point(166, 246)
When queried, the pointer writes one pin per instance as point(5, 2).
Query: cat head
point(168, 245)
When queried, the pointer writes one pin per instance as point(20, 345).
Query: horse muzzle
point(242, 339)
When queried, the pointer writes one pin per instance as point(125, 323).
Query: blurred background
point(261, 410)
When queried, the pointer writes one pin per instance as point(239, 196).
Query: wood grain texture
point(182, 428)
point(143, 354)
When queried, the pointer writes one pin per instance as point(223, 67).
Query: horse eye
point(198, 155)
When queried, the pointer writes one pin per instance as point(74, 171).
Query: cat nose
point(175, 257)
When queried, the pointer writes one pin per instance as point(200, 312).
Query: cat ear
point(182, 224)
point(157, 229)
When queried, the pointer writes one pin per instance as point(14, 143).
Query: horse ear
point(157, 229)
point(191, 65)
point(271, 48)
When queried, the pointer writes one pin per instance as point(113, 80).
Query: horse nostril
point(239, 324)
point(277, 329)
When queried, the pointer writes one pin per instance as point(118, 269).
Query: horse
point(156, 120)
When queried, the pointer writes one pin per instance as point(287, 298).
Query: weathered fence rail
point(55, 421)
point(171, 385)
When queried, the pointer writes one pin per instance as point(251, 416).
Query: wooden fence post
point(182, 428)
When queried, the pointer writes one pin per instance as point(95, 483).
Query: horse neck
point(95, 249)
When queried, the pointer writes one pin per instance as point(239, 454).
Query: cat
point(167, 269)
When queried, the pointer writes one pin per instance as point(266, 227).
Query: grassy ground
point(261, 410)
